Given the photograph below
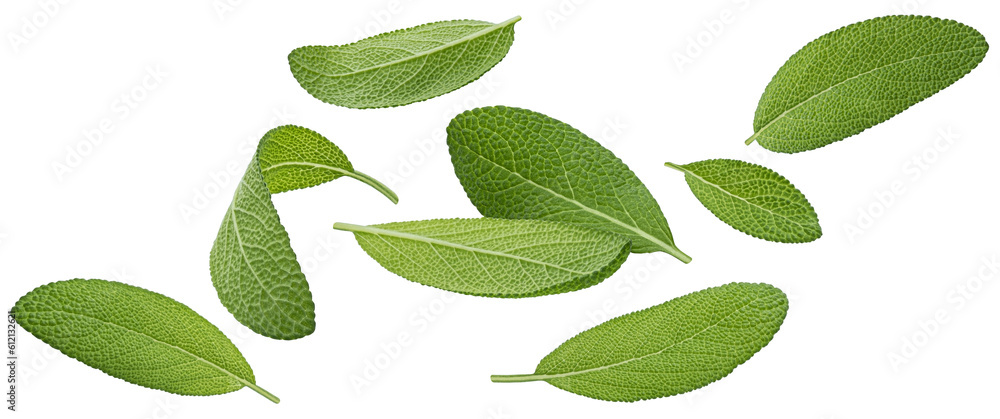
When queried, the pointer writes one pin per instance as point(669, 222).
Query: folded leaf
point(752, 199)
point(675, 347)
point(860, 75)
point(515, 163)
point(404, 66)
point(253, 266)
point(137, 335)
point(494, 257)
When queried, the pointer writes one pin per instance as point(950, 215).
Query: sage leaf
point(405, 66)
point(136, 335)
point(494, 257)
point(519, 164)
point(675, 347)
point(252, 263)
point(860, 75)
point(752, 199)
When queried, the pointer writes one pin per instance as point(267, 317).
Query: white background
point(607, 68)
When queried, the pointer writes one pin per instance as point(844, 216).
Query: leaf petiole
point(515, 378)
point(379, 186)
point(263, 392)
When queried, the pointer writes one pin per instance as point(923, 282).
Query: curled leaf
point(253, 266)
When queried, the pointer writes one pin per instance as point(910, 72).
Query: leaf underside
point(136, 335)
point(675, 347)
point(494, 257)
point(752, 199)
point(517, 164)
point(404, 66)
point(860, 75)
point(252, 263)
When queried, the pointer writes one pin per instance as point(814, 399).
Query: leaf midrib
point(639, 358)
point(391, 233)
point(307, 164)
point(449, 44)
point(824, 91)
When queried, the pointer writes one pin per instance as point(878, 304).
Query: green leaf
point(253, 266)
point(752, 199)
point(494, 257)
point(404, 66)
point(515, 163)
point(136, 335)
point(860, 75)
point(675, 347)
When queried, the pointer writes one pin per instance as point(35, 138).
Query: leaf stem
point(514, 19)
point(674, 251)
point(379, 186)
point(263, 392)
point(752, 138)
point(347, 227)
point(677, 253)
point(676, 167)
point(515, 378)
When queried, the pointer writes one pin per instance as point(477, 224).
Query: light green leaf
point(675, 347)
point(752, 199)
point(253, 266)
point(404, 66)
point(494, 257)
point(136, 335)
point(515, 163)
point(860, 75)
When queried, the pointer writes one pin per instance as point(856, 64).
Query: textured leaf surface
point(860, 75)
point(137, 335)
point(675, 347)
point(752, 199)
point(494, 257)
point(404, 66)
point(253, 266)
point(515, 163)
